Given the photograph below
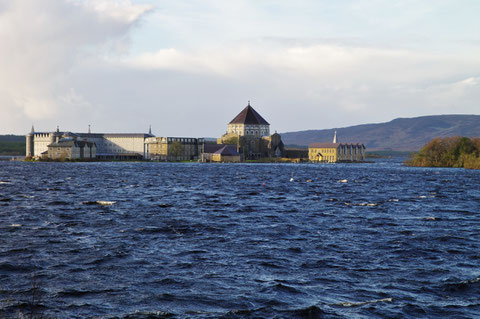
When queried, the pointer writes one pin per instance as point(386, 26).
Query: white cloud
point(306, 85)
point(73, 65)
point(41, 42)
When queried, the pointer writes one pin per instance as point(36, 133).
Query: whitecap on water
point(343, 181)
point(16, 225)
point(99, 202)
point(105, 203)
point(367, 204)
point(356, 304)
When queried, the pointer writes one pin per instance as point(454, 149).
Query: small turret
point(30, 143)
point(335, 137)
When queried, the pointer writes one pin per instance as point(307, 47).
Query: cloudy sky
point(187, 67)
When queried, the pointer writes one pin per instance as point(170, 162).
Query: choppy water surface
point(156, 240)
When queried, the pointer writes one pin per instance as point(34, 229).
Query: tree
point(175, 149)
point(449, 152)
point(231, 140)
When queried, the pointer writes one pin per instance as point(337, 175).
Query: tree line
point(454, 151)
point(12, 145)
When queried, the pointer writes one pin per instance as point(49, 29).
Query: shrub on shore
point(448, 152)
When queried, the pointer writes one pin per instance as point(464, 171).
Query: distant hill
point(402, 134)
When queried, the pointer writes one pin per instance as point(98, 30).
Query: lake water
point(166, 240)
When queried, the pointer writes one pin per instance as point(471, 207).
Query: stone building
point(251, 132)
point(208, 149)
point(227, 154)
point(275, 147)
point(173, 148)
point(70, 148)
point(336, 152)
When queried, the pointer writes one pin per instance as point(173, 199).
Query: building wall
point(60, 153)
point(106, 143)
point(40, 142)
point(219, 158)
point(249, 129)
point(343, 152)
point(254, 146)
point(166, 149)
point(327, 155)
point(123, 144)
point(71, 152)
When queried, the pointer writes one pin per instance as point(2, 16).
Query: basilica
point(251, 133)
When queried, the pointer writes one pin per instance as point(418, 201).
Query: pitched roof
point(212, 148)
point(227, 150)
point(324, 145)
point(249, 116)
point(333, 145)
point(69, 142)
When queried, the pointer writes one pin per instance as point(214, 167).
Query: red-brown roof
point(249, 116)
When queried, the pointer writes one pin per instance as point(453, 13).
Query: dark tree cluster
point(449, 152)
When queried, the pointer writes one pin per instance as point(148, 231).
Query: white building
point(108, 145)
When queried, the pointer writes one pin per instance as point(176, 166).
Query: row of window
point(342, 150)
point(323, 158)
point(251, 132)
point(184, 140)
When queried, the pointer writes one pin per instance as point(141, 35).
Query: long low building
point(336, 152)
point(108, 145)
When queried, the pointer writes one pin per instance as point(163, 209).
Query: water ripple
point(160, 240)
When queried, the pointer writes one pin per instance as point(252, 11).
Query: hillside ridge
point(400, 134)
